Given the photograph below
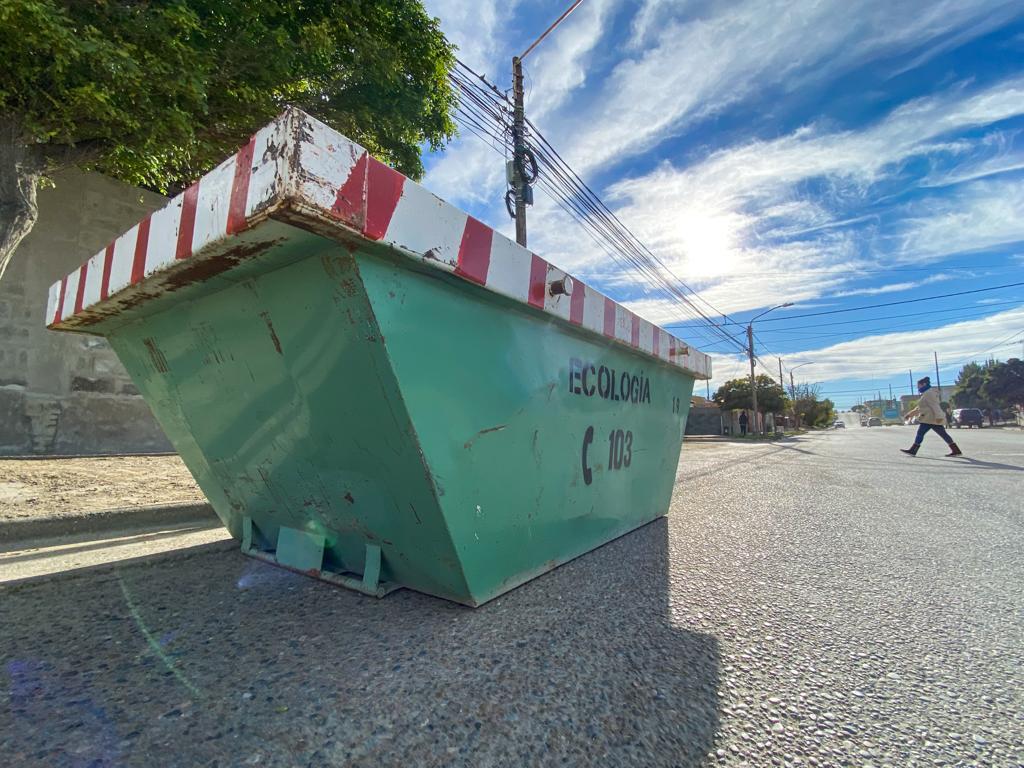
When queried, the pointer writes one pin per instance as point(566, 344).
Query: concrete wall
point(67, 392)
point(704, 420)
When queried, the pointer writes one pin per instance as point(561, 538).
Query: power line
point(881, 270)
point(947, 312)
point(481, 103)
point(877, 306)
point(861, 332)
point(892, 303)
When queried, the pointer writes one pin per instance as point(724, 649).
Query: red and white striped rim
point(300, 165)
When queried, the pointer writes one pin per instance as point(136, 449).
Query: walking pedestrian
point(929, 417)
point(743, 423)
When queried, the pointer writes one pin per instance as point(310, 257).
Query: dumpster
point(376, 389)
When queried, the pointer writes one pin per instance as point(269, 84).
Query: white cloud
point(983, 214)
point(895, 287)
point(700, 64)
point(559, 65)
point(879, 356)
point(762, 171)
point(474, 28)
point(469, 173)
point(737, 225)
point(725, 223)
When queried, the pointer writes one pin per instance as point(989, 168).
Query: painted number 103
point(620, 451)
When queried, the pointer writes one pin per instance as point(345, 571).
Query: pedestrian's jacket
point(929, 409)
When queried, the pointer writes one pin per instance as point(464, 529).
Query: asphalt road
point(822, 601)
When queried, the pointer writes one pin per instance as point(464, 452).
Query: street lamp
point(792, 388)
point(750, 354)
point(792, 385)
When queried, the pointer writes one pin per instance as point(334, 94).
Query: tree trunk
point(20, 169)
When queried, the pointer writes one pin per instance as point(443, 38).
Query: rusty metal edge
point(125, 518)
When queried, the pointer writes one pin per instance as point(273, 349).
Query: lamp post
point(750, 354)
point(792, 388)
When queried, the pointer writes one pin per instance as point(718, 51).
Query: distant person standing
point(929, 417)
point(743, 423)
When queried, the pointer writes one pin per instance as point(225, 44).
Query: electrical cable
point(891, 303)
point(481, 101)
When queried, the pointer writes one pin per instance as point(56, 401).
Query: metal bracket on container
point(304, 552)
point(369, 583)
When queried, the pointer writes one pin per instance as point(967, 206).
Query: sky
point(831, 154)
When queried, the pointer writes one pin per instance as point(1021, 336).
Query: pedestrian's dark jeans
point(743, 430)
point(922, 430)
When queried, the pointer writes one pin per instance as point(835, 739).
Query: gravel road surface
point(822, 601)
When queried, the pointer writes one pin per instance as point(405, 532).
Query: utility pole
point(750, 354)
point(518, 149)
point(753, 380)
point(911, 372)
point(521, 189)
point(782, 381)
point(938, 381)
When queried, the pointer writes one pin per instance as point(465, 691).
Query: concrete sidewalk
point(63, 515)
point(74, 555)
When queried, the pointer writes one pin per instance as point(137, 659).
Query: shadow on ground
point(221, 660)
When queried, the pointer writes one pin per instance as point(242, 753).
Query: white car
point(839, 424)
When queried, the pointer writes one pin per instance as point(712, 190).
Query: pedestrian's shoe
point(954, 450)
point(912, 450)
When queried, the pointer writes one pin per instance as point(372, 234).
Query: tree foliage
point(1004, 384)
point(811, 409)
point(990, 385)
point(735, 394)
point(157, 93)
point(968, 385)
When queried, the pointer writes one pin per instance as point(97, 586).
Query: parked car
point(968, 417)
point(874, 421)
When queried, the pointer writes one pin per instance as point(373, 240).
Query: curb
point(105, 520)
point(103, 569)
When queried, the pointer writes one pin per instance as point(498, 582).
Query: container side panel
point(279, 395)
point(547, 442)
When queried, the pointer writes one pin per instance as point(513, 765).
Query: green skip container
point(376, 389)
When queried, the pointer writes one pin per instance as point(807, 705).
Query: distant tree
point(735, 394)
point(859, 408)
point(157, 93)
point(1004, 384)
point(811, 408)
point(968, 385)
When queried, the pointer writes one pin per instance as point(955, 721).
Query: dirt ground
point(67, 487)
